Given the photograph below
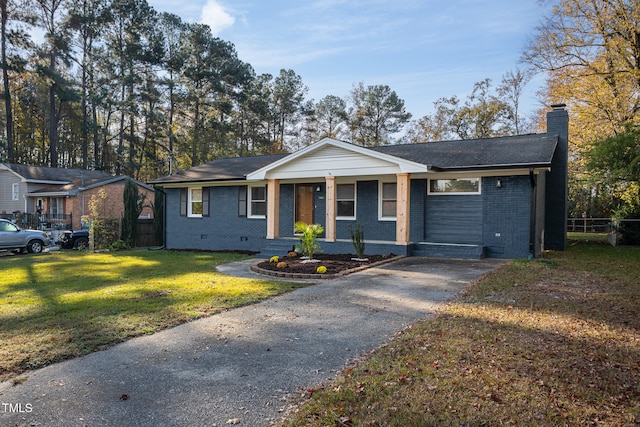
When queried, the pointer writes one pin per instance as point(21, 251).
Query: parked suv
point(15, 238)
point(74, 239)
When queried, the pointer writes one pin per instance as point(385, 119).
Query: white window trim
point(443, 193)
point(380, 185)
point(250, 201)
point(190, 213)
point(355, 202)
point(15, 191)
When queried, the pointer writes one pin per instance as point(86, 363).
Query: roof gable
point(74, 187)
point(330, 157)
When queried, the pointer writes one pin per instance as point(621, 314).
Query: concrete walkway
point(242, 366)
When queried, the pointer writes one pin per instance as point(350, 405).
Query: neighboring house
point(498, 197)
point(60, 197)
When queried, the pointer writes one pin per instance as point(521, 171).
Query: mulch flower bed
point(335, 264)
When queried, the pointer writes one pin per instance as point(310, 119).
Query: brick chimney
point(556, 203)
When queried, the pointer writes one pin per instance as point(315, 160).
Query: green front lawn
point(531, 344)
point(64, 304)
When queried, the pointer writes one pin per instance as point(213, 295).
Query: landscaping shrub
point(309, 234)
point(357, 238)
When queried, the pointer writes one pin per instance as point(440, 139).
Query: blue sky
point(422, 49)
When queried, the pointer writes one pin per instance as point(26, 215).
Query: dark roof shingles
point(70, 179)
point(514, 151)
point(221, 170)
point(490, 153)
point(43, 173)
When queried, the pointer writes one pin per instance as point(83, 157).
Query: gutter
point(531, 166)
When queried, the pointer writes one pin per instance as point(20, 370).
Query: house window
point(15, 191)
point(56, 207)
point(388, 198)
point(346, 201)
point(195, 202)
point(454, 186)
point(242, 201)
point(258, 202)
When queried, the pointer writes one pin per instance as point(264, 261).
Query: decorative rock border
point(254, 267)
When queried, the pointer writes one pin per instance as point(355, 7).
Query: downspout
point(82, 196)
point(532, 215)
point(164, 220)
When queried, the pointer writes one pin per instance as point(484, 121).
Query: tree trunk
point(7, 89)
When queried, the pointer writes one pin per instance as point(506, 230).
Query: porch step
point(276, 247)
point(448, 250)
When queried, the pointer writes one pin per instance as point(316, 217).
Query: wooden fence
point(146, 234)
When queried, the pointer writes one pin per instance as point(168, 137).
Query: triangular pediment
point(330, 157)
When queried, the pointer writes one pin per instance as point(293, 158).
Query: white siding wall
point(7, 179)
point(334, 161)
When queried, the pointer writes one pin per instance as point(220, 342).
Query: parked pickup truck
point(74, 239)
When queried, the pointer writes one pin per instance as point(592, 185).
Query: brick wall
point(287, 210)
point(556, 182)
point(114, 205)
point(367, 215)
point(222, 230)
point(506, 216)
point(499, 219)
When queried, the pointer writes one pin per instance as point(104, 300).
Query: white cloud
point(216, 17)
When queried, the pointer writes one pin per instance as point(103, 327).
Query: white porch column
point(273, 208)
point(330, 218)
point(403, 208)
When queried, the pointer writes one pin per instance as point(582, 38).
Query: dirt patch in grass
point(530, 344)
point(334, 263)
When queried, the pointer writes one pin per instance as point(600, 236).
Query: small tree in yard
point(102, 231)
point(133, 205)
point(308, 238)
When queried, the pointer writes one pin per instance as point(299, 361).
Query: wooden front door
point(304, 203)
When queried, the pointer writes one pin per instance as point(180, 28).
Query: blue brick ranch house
point(498, 197)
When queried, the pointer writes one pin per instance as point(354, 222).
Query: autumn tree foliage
point(590, 51)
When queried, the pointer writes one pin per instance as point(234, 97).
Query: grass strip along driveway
point(65, 304)
point(533, 343)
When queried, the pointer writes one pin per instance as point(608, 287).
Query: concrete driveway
point(243, 366)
